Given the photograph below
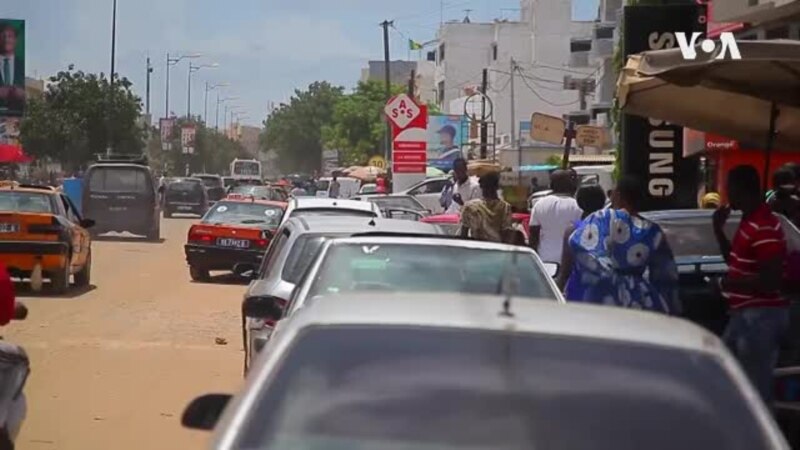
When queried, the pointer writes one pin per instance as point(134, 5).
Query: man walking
point(464, 189)
point(334, 188)
point(759, 316)
point(552, 215)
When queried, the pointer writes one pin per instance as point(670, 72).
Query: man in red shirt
point(759, 314)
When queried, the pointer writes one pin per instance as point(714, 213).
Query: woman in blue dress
point(623, 259)
point(590, 199)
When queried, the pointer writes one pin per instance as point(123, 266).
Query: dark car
point(121, 194)
point(185, 196)
point(214, 185)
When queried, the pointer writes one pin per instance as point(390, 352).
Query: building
point(400, 74)
point(759, 19)
point(535, 48)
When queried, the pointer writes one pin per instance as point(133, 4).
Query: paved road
point(113, 367)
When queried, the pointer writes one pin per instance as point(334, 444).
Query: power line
point(525, 82)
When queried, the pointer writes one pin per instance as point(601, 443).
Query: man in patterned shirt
point(759, 314)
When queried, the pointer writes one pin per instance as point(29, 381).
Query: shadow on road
point(128, 239)
point(23, 289)
point(183, 217)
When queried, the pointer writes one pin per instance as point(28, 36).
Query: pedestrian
point(463, 190)
point(712, 200)
point(614, 249)
point(489, 217)
point(590, 199)
point(335, 187)
point(298, 191)
point(552, 215)
point(784, 200)
point(380, 185)
point(759, 314)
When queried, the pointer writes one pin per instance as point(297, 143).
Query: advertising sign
point(166, 126)
point(546, 128)
point(188, 133)
point(9, 130)
point(377, 161)
point(445, 137)
point(12, 67)
point(653, 149)
point(589, 136)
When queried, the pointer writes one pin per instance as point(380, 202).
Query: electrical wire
point(525, 81)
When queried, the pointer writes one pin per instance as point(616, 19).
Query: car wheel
point(199, 274)
point(59, 281)
point(84, 276)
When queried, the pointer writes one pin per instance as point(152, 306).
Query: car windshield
point(690, 238)
point(301, 256)
point(314, 212)
point(245, 213)
point(119, 179)
point(399, 268)
point(397, 202)
point(25, 202)
point(211, 182)
point(389, 388)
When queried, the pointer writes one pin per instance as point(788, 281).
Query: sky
point(264, 48)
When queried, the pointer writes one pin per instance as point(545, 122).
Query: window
point(25, 202)
point(494, 52)
point(71, 212)
point(393, 387)
point(440, 95)
point(778, 33)
point(580, 46)
point(301, 256)
point(119, 179)
point(604, 33)
point(275, 248)
point(441, 53)
point(432, 56)
point(245, 213)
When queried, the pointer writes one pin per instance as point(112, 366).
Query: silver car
point(291, 252)
point(449, 371)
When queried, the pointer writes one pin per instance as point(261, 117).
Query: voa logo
point(727, 45)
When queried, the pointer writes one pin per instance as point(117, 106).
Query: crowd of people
point(612, 255)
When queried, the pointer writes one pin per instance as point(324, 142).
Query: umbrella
point(367, 173)
point(752, 99)
point(13, 154)
point(431, 172)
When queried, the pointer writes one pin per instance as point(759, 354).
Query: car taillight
point(262, 243)
point(202, 238)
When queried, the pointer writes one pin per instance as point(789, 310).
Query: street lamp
point(171, 61)
point(231, 109)
point(193, 69)
point(210, 87)
point(226, 99)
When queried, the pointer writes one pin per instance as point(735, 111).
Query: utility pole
point(205, 106)
point(166, 108)
point(412, 85)
point(514, 144)
point(189, 93)
point(149, 71)
point(387, 75)
point(109, 148)
point(216, 119)
point(484, 124)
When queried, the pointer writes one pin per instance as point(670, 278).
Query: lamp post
point(231, 109)
point(109, 148)
point(193, 69)
point(219, 101)
point(210, 87)
point(171, 61)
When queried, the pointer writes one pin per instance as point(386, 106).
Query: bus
point(246, 169)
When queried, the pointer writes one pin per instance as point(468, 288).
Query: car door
point(429, 193)
point(79, 235)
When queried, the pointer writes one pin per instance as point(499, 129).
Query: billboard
point(653, 149)
point(12, 67)
point(188, 133)
point(9, 130)
point(446, 134)
point(166, 126)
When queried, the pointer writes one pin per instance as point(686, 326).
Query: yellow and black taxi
point(232, 236)
point(42, 235)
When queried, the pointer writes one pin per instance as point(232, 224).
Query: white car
point(348, 187)
point(428, 193)
point(312, 206)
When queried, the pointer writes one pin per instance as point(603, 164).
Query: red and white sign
point(409, 134)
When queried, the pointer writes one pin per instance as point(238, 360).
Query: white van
point(348, 187)
point(601, 175)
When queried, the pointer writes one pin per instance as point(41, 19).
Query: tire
point(199, 274)
point(59, 281)
point(84, 277)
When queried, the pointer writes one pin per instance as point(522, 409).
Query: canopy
point(366, 173)
point(13, 154)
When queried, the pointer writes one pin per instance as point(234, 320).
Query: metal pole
point(166, 108)
point(189, 95)
point(205, 107)
point(570, 134)
point(216, 119)
point(225, 120)
point(149, 71)
point(388, 87)
point(484, 123)
point(773, 117)
point(111, 81)
point(513, 120)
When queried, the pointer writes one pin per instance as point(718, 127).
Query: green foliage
point(357, 128)
point(77, 117)
point(554, 160)
point(294, 130)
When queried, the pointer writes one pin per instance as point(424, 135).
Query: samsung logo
point(661, 138)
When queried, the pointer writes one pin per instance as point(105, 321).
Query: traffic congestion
point(516, 224)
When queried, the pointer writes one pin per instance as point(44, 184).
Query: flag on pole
point(413, 45)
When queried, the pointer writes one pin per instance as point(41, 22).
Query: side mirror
point(87, 223)
point(264, 307)
point(551, 269)
point(204, 412)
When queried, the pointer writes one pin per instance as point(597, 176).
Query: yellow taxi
point(42, 235)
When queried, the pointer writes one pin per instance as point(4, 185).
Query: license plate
point(184, 208)
point(9, 228)
point(234, 243)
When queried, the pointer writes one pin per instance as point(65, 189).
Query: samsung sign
point(653, 149)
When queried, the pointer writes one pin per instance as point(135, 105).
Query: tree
point(294, 130)
point(79, 114)
point(213, 151)
point(358, 129)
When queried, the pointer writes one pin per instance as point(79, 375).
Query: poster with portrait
point(12, 67)
point(445, 140)
point(9, 130)
point(188, 133)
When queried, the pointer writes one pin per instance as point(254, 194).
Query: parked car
point(311, 206)
point(293, 250)
point(368, 188)
point(185, 196)
point(42, 234)
point(121, 194)
point(348, 187)
point(387, 371)
point(405, 207)
point(214, 185)
point(428, 192)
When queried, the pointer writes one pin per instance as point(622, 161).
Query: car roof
point(478, 312)
point(317, 202)
point(351, 225)
point(205, 175)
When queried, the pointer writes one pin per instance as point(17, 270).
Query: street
point(113, 367)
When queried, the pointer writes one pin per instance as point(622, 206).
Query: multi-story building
point(400, 74)
point(760, 19)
